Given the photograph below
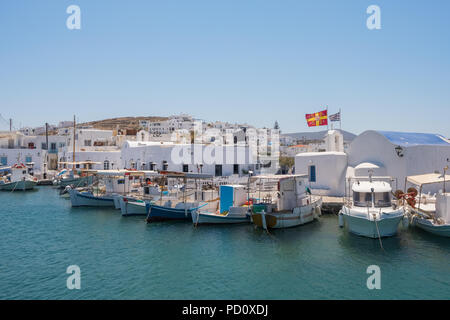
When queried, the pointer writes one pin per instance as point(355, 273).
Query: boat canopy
point(122, 172)
point(187, 175)
point(279, 176)
point(429, 178)
point(80, 162)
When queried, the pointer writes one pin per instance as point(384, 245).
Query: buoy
point(341, 219)
point(317, 212)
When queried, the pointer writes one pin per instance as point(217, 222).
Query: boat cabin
point(19, 172)
point(372, 193)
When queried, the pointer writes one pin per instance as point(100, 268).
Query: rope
point(15, 186)
point(378, 231)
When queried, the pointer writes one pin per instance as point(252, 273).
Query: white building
point(393, 154)
point(197, 158)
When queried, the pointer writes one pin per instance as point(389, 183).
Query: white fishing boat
point(370, 212)
point(426, 211)
point(132, 207)
point(231, 208)
point(89, 199)
point(294, 204)
point(18, 180)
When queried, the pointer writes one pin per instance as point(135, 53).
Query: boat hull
point(132, 208)
point(22, 185)
point(158, 213)
point(85, 199)
point(211, 218)
point(426, 225)
point(361, 226)
point(279, 220)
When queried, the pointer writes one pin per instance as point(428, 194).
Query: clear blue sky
point(234, 60)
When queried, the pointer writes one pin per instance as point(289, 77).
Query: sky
point(244, 61)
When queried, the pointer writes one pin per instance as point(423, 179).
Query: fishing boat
point(89, 199)
point(176, 209)
point(370, 211)
point(426, 211)
point(232, 208)
point(18, 180)
point(110, 186)
point(294, 204)
point(132, 206)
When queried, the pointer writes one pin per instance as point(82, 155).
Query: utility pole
point(46, 147)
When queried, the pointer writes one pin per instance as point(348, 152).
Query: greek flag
point(335, 117)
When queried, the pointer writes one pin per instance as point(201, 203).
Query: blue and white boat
point(231, 209)
point(181, 211)
point(88, 199)
point(431, 213)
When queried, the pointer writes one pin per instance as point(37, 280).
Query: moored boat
point(294, 205)
point(231, 208)
point(370, 212)
point(18, 180)
point(430, 213)
point(88, 199)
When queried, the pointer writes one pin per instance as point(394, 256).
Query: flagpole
point(340, 119)
point(328, 127)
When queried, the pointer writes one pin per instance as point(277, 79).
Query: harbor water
point(125, 258)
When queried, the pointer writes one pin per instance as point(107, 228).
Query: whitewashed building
point(393, 154)
point(197, 158)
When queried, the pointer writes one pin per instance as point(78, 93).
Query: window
point(106, 165)
point(312, 173)
point(87, 143)
point(43, 146)
point(218, 170)
point(4, 161)
point(362, 199)
point(30, 145)
point(152, 166)
point(185, 168)
point(53, 146)
point(28, 159)
point(235, 169)
point(165, 166)
point(382, 199)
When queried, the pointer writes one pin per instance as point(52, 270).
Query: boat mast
point(73, 152)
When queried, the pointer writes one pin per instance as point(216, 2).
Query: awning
point(279, 176)
point(429, 178)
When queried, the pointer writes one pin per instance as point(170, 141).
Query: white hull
point(82, 199)
point(386, 226)
point(132, 208)
point(21, 185)
point(298, 216)
point(442, 230)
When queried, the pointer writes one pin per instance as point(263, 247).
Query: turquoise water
point(124, 258)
